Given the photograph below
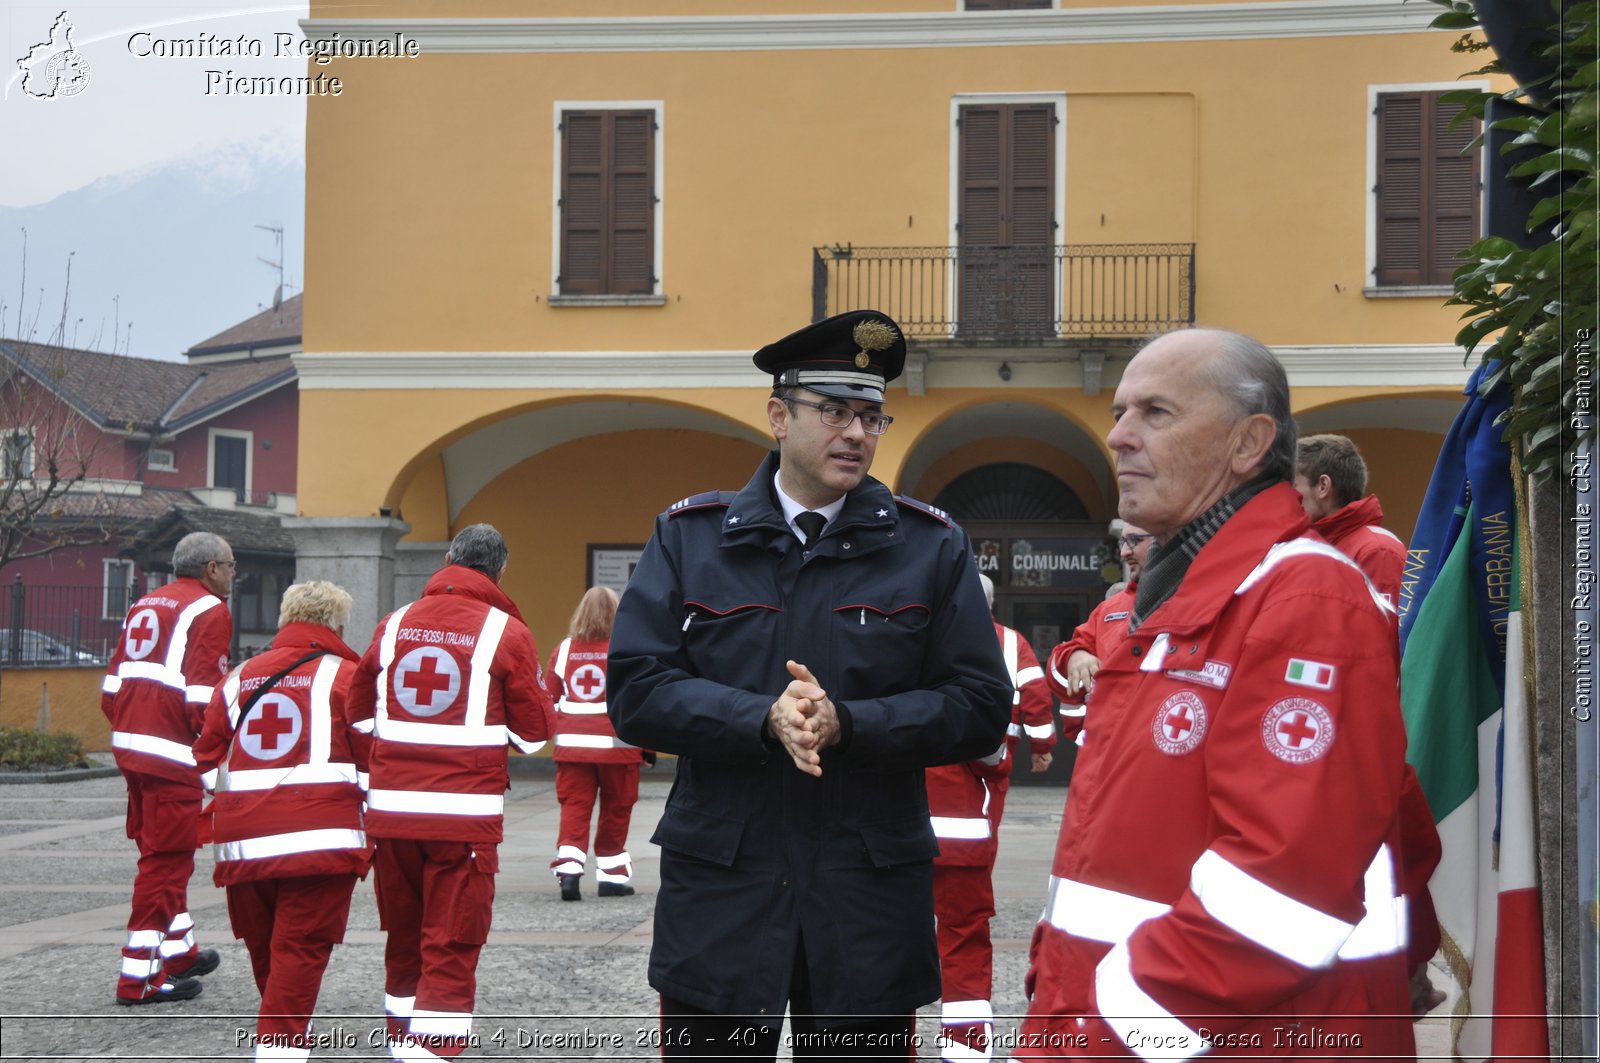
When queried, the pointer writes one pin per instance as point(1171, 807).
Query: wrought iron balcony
point(1017, 293)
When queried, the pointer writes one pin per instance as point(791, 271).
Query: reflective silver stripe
point(1008, 650)
point(176, 752)
point(1149, 1030)
point(254, 779)
point(179, 646)
point(964, 829)
point(1029, 674)
point(1013, 730)
point(133, 968)
point(994, 758)
point(441, 1023)
point(399, 1007)
point(266, 1050)
point(364, 726)
point(152, 670)
point(363, 779)
point(522, 743)
point(1040, 730)
point(1272, 919)
point(438, 734)
point(391, 632)
point(958, 1052)
point(581, 708)
point(610, 863)
point(1096, 913)
point(954, 1011)
point(434, 802)
point(1308, 548)
point(208, 779)
point(144, 939)
point(111, 684)
point(560, 664)
point(301, 841)
point(199, 695)
point(321, 737)
point(230, 696)
point(1383, 930)
point(1074, 710)
point(494, 626)
point(570, 852)
point(590, 742)
point(1156, 659)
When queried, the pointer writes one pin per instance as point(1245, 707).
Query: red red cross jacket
point(448, 681)
point(1357, 530)
point(173, 651)
point(1231, 839)
point(576, 680)
point(1031, 703)
point(288, 802)
point(1103, 632)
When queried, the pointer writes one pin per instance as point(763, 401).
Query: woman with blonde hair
point(590, 759)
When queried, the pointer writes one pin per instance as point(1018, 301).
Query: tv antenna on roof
point(277, 237)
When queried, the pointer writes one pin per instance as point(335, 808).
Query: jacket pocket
point(895, 843)
point(699, 834)
point(730, 631)
point(880, 644)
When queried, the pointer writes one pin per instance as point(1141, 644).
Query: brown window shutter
point(1427, 199)
point(1454, 188)
point(1401, 135)
point(1005, 5)
point(982, 161)
point(583, 203)
point(608, 203)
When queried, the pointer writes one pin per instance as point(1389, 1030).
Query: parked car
point(36, 647)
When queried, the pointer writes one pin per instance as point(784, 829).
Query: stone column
point(414, 563)
point(357, 553)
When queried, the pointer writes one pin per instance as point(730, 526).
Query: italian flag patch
point(1312, 674)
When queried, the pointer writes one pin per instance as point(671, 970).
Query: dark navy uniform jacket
point(758, 858)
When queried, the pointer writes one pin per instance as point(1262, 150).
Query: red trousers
point(435, 899)
point(577, 785)
point(163, 816)
point(290, 926)
point(963, 904)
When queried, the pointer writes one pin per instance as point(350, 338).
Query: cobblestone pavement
point(556, 981)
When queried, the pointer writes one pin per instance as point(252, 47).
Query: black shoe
point(615, 889)
point(569, 888)
point(205, 961)
point(175, 989)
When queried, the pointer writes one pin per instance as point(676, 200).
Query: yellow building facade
point(541, 250)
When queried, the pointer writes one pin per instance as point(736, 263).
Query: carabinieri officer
point(806, 647)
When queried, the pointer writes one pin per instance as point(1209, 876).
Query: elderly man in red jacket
point(448, 682)
point(173, 651)
point(1226, 876)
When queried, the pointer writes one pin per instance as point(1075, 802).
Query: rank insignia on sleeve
point(1313, 674)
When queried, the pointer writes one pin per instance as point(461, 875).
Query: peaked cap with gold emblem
point(851, 356)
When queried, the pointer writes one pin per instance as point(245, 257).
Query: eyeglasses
point(230, 563)
point(1131, 542)
point(836, 416)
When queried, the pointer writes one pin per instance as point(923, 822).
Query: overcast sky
point(137, 110)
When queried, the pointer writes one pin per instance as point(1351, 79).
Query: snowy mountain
point(175, 250)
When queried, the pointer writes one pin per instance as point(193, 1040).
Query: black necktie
point(811, 525)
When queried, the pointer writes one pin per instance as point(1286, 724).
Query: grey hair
point(988, 588)
point(480, 547)
point(315, 602)
point(1250, 377)
point(197, 549)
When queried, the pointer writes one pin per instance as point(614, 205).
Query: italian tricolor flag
point(1466, 713)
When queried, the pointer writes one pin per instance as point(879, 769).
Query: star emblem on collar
point(883, 512)
point(733, 520)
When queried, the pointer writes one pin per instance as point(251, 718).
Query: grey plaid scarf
point(1169, 563)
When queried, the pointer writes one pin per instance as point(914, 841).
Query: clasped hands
point(804, 720)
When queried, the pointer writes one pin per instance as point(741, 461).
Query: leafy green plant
point(24, 750)
point(1533, 308)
